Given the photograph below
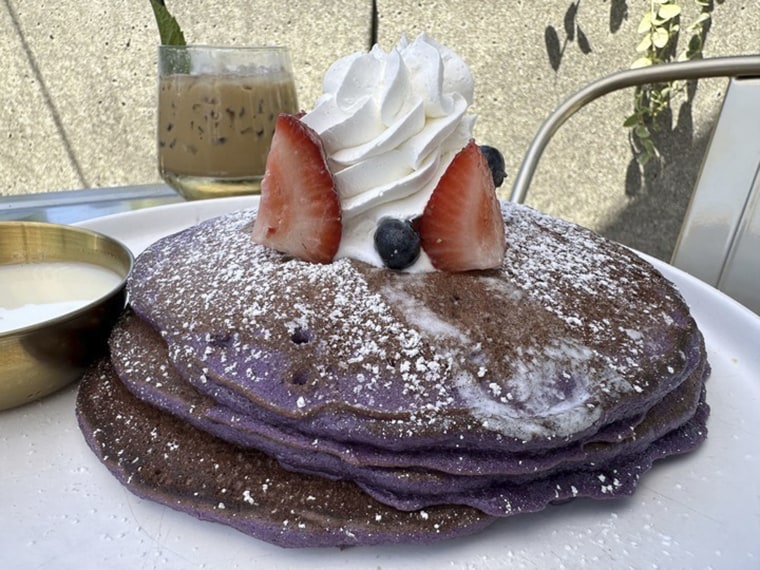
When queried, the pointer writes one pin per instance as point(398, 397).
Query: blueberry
point(397, 242)
point(495, 163)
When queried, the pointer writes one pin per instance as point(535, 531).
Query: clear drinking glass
point(217, 108)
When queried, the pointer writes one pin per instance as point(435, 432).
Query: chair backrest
point(720, 236)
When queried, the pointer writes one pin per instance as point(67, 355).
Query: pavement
point(77, 108)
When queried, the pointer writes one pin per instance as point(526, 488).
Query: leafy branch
point(171, 35)
point(660, 29)
point(168, 28)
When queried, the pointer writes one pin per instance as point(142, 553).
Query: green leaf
point(660, 38)
point(701, 19)
point(168, 28)
point(663, 95)
point(642, 132)
point(644, 45)
point(646, 23)
point(645, 158)
point(632, 121)
point(641, 62)
point(668, 11)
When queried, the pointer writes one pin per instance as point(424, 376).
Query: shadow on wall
point(555, 48)
point(658, 192)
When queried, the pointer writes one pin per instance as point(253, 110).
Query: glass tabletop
point(71, 206)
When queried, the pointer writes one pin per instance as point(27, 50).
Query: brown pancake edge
point(162, 458)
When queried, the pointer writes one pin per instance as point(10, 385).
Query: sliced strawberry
point(299, 211)
point(462, 227)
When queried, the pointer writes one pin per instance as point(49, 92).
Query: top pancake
point(571, 335)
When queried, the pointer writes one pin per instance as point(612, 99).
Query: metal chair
point(719, 241)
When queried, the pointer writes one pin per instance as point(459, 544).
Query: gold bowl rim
point(128, 260)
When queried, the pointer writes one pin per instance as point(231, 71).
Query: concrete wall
point(78, 104)
point(586, 174)
point(77, 108)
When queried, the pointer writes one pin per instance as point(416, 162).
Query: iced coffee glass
point(217, 108)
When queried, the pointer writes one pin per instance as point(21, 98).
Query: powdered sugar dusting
point(548, 359)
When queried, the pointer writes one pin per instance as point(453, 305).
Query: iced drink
point(215, 127)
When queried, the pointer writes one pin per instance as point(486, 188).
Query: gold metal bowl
point(40, 358)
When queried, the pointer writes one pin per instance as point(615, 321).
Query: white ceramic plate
point(60, 508)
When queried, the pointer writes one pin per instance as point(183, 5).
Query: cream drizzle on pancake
point(311, 341)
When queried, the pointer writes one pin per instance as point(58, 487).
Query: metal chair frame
point(719, 241)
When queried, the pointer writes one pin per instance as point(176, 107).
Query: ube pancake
point(572, 335)
point(565, 373)
point(437, 476)
point(159, 457)
point(617, 479)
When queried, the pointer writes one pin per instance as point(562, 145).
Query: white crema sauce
point(34, 292)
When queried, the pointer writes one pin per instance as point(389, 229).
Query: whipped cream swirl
point(391, 122)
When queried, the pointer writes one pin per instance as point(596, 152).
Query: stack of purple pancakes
point(392, 407)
